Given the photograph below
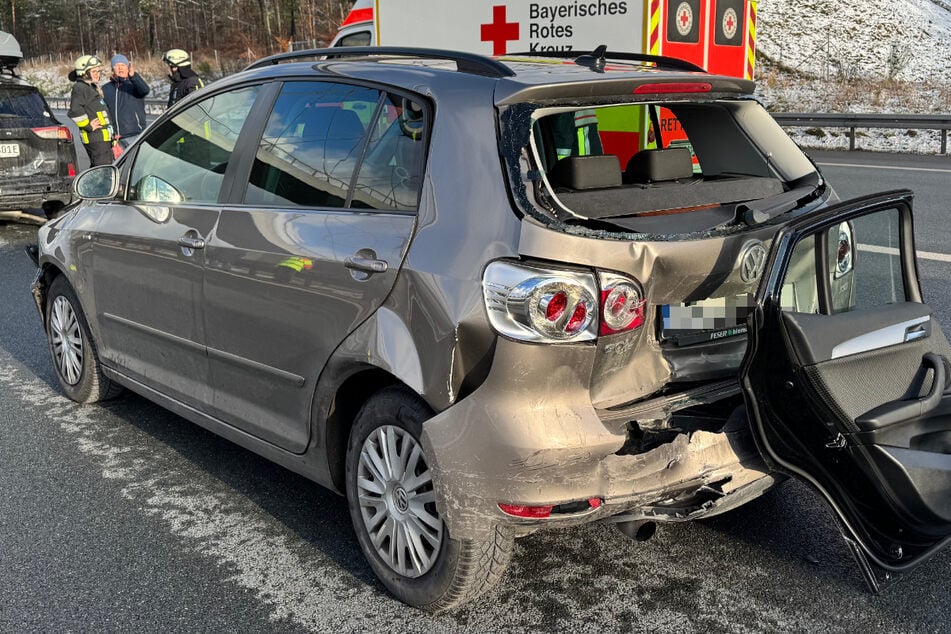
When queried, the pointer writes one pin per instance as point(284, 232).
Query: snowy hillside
point(886, 56)
point(871, 39)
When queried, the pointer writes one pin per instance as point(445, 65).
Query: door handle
point(191, 243)
point(896, 412)
point(367, 265)
point(915, 332)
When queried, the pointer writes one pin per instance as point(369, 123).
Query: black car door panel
point(854, 398)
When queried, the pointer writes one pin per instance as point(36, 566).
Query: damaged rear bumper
point(530, 436)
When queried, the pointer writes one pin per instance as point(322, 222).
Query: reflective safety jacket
point(184, 81)
point(87, 105)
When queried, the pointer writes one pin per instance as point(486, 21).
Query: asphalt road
point(123, 517)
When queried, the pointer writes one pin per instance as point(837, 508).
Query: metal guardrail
point(848, 120)
point(152, 106)
point(852, 121)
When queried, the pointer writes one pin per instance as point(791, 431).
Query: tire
point(416, 560)
point(72, 349)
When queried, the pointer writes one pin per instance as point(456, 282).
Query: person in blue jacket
point(125, 97)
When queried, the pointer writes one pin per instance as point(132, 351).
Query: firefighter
point(576, 134)
point(87, 109)
point(184, 79)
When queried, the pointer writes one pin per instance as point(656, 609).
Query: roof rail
point(465, 62)
point(668, 63)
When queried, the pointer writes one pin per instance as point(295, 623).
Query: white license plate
point(705, 320)
point(9, 149)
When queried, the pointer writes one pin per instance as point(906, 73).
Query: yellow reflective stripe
point(653, 36)
point(85, 136)
point(208, 130)
point(81, 122)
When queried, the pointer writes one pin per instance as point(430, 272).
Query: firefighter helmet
point(176, 57)
point(85, 64)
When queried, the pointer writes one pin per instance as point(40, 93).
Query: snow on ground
point(858, 38)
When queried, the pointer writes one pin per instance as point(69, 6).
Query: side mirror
point(97, 183)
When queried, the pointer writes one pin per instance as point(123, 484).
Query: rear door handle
point(367, 265)
point(915, 332)
point(191, 243)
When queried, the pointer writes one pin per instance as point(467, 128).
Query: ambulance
point(716, 35)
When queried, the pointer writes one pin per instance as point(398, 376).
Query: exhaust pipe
point(637, 530)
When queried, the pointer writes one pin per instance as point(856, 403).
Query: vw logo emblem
point(402, 500)
point(752, 261)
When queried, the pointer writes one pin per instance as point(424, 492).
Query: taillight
point(622, 304)
point(672, 87)
point(543, 305)
point(56, 133)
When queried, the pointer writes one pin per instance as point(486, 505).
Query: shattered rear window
point(657, 168)
point(21, 107)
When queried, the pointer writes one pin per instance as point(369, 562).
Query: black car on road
point(37, 156)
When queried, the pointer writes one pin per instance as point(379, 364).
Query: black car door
point(846, 380)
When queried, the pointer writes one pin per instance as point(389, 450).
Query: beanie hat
point(119, 58)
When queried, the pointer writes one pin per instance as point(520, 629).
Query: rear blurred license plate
point(706, 320)
point(9, 150)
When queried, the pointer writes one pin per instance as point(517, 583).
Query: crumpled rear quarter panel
point(529, 435)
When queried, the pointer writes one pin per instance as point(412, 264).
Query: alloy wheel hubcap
point(66, 341)
point(397, 501)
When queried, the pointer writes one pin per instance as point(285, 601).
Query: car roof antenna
point(594, 60)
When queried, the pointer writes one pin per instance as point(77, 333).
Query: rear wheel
point(393, 509)
point(72, 349)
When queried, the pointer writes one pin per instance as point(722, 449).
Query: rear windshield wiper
point(763, 210)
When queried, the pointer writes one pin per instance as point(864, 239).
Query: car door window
point(319, 133)
point(185, 158)
point(860, 262)
point(311, 145)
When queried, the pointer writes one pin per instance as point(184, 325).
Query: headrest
point(649, 166)
point(586, 172)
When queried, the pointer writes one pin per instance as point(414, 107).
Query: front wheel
point(393, 508)
point(72, 349)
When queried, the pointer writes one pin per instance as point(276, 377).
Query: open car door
point(846, 379)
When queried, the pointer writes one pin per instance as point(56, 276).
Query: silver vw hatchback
point(482, 297)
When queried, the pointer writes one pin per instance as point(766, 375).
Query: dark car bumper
point(40, 193)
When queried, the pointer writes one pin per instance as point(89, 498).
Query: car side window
point(188, 154)
point(391, 173)
point(311, 145)
point(360, 38)
point(319, 133)
point(859, 267)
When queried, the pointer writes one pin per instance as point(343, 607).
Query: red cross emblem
point(499, 32)
point(685, 18)
point(730, 23)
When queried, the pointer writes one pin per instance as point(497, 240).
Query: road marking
point(887, 167)
point(922, 255)
point(295, 577)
